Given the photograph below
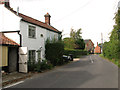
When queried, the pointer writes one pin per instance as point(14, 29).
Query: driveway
point(88, 72)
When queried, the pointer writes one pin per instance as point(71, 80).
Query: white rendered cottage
point(33, 33)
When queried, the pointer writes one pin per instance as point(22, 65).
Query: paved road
point(79, 74)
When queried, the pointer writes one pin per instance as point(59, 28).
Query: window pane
point(39, 55)
point(32, 30)
point(32, 55)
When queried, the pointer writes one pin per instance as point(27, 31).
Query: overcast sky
point(93, 16)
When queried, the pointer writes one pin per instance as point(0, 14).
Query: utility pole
point(118, 13)
point(101, 42)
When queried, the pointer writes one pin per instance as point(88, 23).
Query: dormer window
point(32, 31)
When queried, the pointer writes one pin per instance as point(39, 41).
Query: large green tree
point(111, 49)
point(76, 34)
point(75, 41)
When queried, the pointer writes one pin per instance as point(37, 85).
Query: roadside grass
point(115, 61)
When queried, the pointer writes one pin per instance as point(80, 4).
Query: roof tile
point(6, 41)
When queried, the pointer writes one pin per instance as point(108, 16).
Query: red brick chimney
point(7, 4)
point(97, 43)
point(47, 18)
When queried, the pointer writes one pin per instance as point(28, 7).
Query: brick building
point(97, 49)
point(89, 45)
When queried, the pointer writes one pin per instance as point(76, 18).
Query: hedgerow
point(54, 52)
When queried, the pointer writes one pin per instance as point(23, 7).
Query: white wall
point(51, 35)
point(35, 44)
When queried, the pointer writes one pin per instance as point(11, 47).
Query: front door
point(23, 59)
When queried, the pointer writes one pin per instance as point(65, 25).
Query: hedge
point(54, 52)
point(75, 52)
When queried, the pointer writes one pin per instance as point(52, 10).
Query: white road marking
point(14, 84)
point(91, 59)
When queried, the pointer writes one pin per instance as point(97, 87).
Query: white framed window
point(31, 31)
point(32, 55)
point(39, 55)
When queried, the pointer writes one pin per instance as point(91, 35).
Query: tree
point(69, 43)
point(111, 49)
point(76, 34)
point(80, 44)
point(72, 33)
point(75, 41)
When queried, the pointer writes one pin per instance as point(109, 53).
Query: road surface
point(88, 72)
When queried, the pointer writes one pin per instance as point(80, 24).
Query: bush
point(31, 65)
point(39, 66)
point(54, 52)
point(44, 65)
point(111, 50)
point(50, 66)
point(75, 53)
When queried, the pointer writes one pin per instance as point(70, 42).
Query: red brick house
point(8, 54)
point(89, 45)
point(97, 49)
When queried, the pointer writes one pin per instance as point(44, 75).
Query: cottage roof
point(86, 41)
point(34, 21)
point(6, 41)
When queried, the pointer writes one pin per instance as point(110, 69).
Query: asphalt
point(81, 73)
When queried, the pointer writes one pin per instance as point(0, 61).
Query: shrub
point(111, 50)
point(75, 53)
point(39, 66)
point(44, 65)
point(50, 66)
point(31, 65)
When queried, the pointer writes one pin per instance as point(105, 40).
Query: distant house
point(33, 33)
point(89, 45)
point(97, 49)
point(8, 54)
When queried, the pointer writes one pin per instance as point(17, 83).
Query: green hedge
point(54, 52)
point(75, 52)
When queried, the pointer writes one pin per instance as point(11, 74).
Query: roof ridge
point(32, 18)
point(37, 22)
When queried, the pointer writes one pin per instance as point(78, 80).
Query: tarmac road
point(88, 72)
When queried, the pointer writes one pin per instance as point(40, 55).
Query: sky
point(92, 16)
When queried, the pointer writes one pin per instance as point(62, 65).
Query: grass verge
point(115, 61)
